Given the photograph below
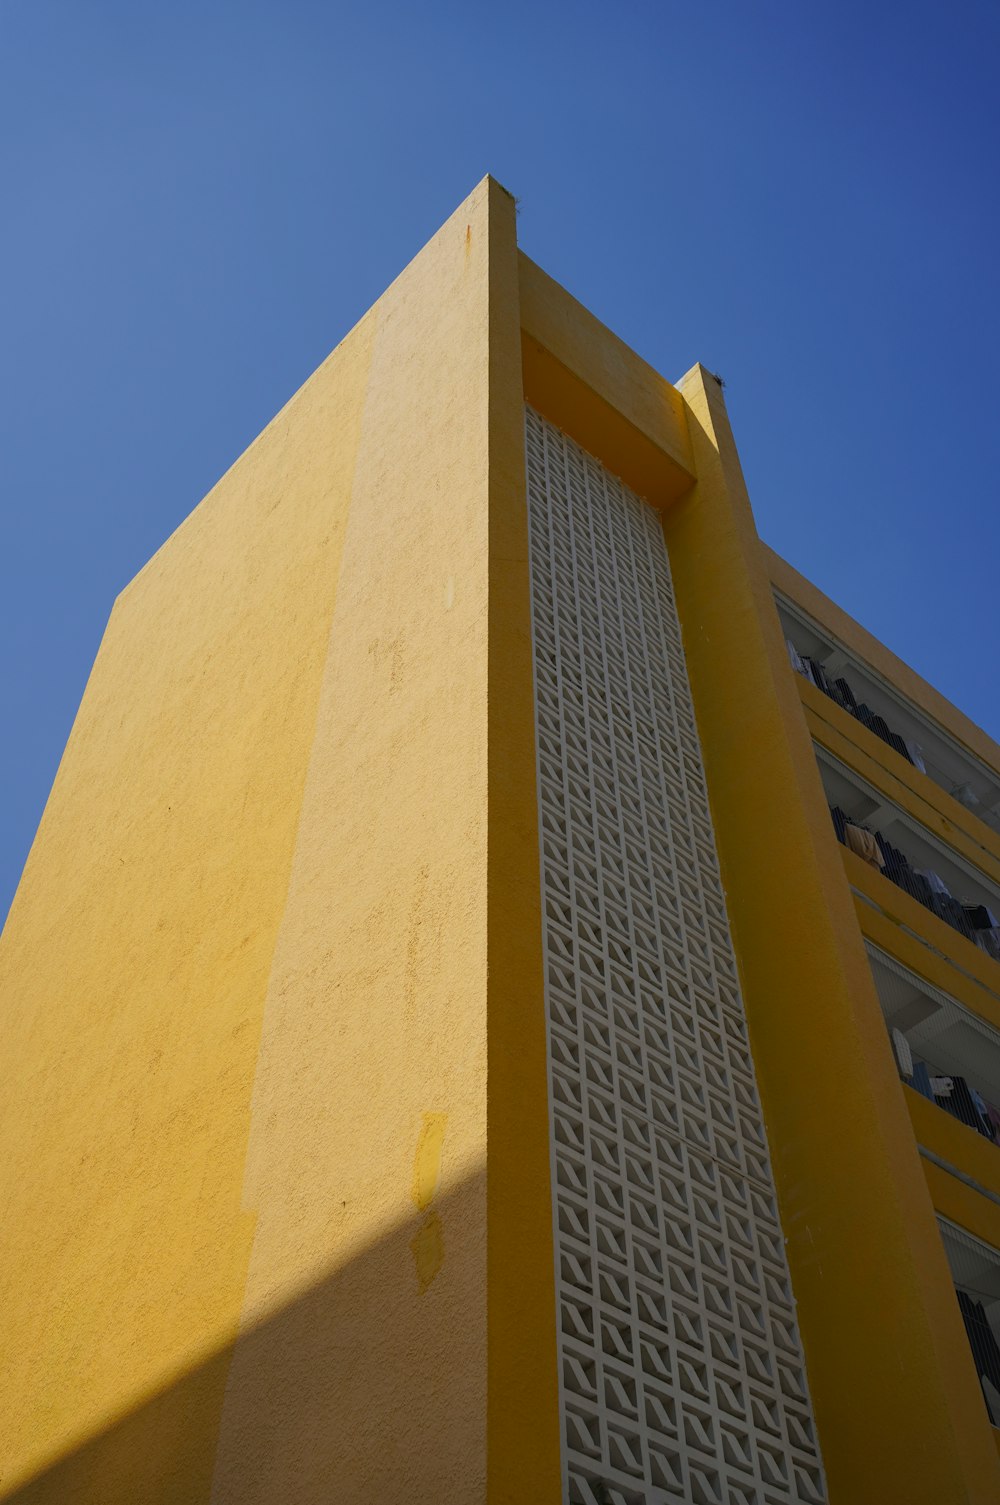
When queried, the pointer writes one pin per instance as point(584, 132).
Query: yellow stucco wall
point(244, 1098)
point(135, 963)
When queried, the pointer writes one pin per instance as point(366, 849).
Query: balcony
point(975, 1269)
point(876, 704)
point(941, 1049)
point(904, 851)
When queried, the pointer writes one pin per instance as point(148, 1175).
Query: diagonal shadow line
point(368, 1387)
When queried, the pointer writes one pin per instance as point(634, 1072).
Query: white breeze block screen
point(682, 1377)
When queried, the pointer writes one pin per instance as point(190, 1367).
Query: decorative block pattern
point(682, 1378)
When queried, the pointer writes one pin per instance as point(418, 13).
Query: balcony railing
point(975, 1269)
point(942, 1049)
point(886, 712)
point(840, 691)
point(975, 921)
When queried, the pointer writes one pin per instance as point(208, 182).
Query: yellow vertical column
point(899, 1413)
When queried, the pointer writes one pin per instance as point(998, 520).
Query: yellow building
point(449, 1056)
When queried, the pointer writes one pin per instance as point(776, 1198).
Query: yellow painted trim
point(901, 907)
point(523, 1426)
point(847, 1173)
point(833, 728)
point(586, 381)
point(937, 969)
point(860, 642)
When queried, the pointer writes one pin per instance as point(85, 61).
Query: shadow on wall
point(368, 1387)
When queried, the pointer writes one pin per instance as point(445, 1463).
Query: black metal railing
point(955, 1094)
point(985, 1351)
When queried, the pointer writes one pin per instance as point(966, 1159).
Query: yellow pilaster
point(897, 1405)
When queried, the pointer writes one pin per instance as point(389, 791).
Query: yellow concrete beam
point(590, 384)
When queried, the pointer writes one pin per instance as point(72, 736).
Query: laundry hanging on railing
point(926, 887)
point(864, 844)
point(955, 1095)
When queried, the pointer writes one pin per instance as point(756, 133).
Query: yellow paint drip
point(427, 1243)
point(427, 1161)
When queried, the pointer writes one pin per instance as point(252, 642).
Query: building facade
point(504, 1001)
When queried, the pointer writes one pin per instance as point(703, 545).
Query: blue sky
point(201, 198)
